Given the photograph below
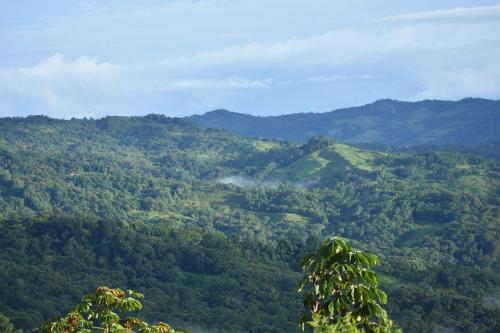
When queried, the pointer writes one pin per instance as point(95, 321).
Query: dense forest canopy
point(471, 121)
point(210, 225)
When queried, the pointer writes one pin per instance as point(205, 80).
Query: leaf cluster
point(340, 286)
point(98, 312)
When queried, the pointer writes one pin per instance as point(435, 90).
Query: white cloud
point(338, 77)
point(202, 84)
point(460, 83)
point(59, 85)
point(85, 70)
point(331, 49)
point(86, 87)
point(460, 13)
point(342, 45)
point(448, 61)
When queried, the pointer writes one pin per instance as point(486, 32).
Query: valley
point(138, 202)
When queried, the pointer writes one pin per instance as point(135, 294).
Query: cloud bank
point(482, 13)
point(54, 85)
point(447, 53)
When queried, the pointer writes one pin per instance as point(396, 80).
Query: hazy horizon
point(238, 112)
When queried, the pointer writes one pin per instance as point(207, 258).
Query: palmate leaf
point(98, 312)
point(110, 318)
point(128, 304)
point(382, 296)
point(339, 285)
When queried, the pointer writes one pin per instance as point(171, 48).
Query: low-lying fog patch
point(243, 181)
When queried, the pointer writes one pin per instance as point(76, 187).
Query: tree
point(319, 142)
point(340, 290)
point(96, 313)
point(6, 326)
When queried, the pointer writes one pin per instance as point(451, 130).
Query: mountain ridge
point(385, 121)
point(381, 100)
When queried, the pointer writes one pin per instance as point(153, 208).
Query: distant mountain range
point(470, 121)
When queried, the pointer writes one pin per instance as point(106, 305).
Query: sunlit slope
point(336, 159)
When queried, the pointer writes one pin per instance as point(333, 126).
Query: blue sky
point(266, 57)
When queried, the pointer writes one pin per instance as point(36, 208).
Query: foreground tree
point(340, 291)
point(6, 326)
point(98, 312)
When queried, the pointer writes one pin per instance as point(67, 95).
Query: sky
point(67, 59)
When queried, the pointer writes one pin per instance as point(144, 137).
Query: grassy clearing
point(155, 215)
point(216, 197)
point(413, 237)
point(386, 279)
point(295, 218)
point(361, 159)
point(334, 159)
point(477, 185)
point(305, 168)
point(260, 145)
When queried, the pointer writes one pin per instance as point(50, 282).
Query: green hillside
point(329, 161)
point(210, 225)
point(471, 121)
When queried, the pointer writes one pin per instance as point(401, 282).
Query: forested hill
point(210, 225)
point(466, 122)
